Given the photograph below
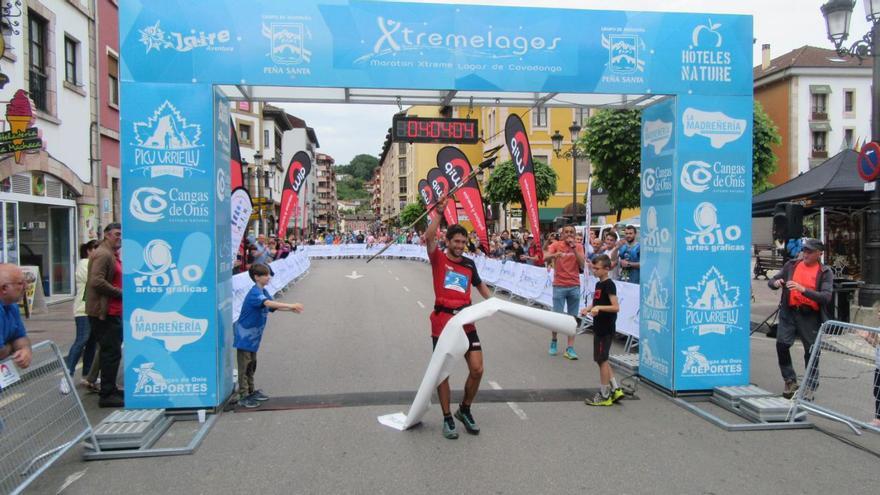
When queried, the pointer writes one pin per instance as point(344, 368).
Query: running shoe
point(570, 354)
point(791, 387)
point(449, 429)
point(553, 350)
point(617, 394)
point(248, 403)
point(599, 400)
point(468, 421)
point(259, 396)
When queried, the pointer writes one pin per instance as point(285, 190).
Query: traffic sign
point(868, 163)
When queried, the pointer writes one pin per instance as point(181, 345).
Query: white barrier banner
point(533, 283)
point(453, 343)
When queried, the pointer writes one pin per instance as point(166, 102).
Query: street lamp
point(837, 15)
point(575, 130)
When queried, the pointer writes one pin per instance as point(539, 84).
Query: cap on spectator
point(813, 245)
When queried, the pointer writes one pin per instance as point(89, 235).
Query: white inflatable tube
point(453, 343)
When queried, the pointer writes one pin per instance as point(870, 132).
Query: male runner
point(453, 276)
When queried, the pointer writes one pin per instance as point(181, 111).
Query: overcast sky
point(347, 130)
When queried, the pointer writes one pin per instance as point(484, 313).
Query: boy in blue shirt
point(248, 331)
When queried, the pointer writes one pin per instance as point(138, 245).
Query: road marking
point(71, 480)
point(406, 288)
point(513, 405)
point(397, 279)
point(420, 304)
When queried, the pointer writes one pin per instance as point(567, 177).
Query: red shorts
point(439, 319)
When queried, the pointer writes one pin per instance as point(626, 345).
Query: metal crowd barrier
point(842, 380)
point(41, 417)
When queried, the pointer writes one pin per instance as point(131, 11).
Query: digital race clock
point(434, 130)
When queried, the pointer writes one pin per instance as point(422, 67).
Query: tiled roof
point(809, 56)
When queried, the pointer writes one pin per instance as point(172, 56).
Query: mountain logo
point(712, 305)
point(655, 302)
point(288, 43)
point(167, 144)
point(624, 53)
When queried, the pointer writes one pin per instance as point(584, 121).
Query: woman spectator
point(84, 344)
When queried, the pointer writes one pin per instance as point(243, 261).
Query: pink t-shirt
point(566, 270)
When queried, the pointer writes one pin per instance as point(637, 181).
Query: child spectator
point(248, 331)
point(603, 309)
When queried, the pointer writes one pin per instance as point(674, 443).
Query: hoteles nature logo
point(396, 36)
point(156, 39)
point(167, 144)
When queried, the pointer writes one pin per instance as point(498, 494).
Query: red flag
point(456, 168)
point(440, 185)
point(236, 178)
point(294, 179)
point(518, 144)
point(428, 197)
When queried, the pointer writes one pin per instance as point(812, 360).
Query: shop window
point(245, 134)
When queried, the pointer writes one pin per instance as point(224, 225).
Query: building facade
point(820, 102)
point(326, 206)
point(302, 138)
point(48, 164)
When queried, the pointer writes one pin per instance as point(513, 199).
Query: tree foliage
point(612, 141)
point(410, 213)
point(765, 135)
point(503, 186)
point(361, 167)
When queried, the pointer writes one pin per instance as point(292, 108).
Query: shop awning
point(820, 89)
point(820, 126)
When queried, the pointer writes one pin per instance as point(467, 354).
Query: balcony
point(818, 115)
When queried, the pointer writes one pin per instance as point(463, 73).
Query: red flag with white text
point(521, 152)
point(294, 180)
point(456, 168)
point(428, 197)
point(440, 185)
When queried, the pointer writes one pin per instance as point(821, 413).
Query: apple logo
point(711, 28)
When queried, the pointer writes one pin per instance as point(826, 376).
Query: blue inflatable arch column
point(696, 160)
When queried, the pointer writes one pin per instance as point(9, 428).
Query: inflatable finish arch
point(696, 155)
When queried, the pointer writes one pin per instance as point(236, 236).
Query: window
point(244, 106)
point(849, 97)
point(819, 141)
point(848, 138)
point(581, 115)
point(818, 103)
point(38, 86)
point(113, 76)
point(71, 47)
point(244, 133)
point(539, 116)
point(540, 158)
point(401, 166)
point(403, 185)
point(401, 148)
point(265, 138)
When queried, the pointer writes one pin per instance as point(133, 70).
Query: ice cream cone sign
point(21, 136)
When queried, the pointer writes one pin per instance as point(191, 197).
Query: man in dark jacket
point(104, 307)
point(806, 296)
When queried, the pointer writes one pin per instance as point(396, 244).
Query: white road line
point(406, 288)
point(420, 304)
point(389, 271)
point(513, 405)
point(71, 479)
point(397, 279)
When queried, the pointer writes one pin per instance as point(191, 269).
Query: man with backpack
point(806, 296)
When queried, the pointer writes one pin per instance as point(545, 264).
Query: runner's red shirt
point(452, 287)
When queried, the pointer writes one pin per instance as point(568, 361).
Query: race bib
point(455, 281)
point(8, 373)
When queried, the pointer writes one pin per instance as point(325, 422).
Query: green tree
point(361, 167)
point(503, 185)
point(612, 140)
point(410, 213)
point(765, 135)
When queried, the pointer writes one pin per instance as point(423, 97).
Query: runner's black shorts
point(473, 341)
point(601, 347)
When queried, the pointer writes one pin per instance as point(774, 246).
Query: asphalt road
point(369, 338)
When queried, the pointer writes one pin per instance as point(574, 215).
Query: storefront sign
point(20, 137)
